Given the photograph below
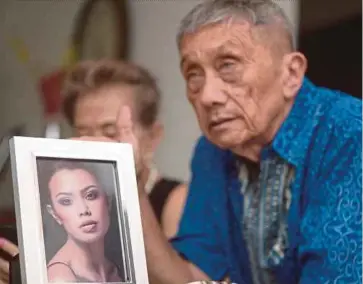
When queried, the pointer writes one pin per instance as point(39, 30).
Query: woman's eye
point(110, 132)
point(65, 201)
point(83, 132)
point(92, 195)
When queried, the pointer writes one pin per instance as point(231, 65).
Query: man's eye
point(226, 65)
point(229, 70)
point(194, 81)
point(191, 77)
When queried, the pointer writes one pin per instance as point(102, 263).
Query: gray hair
point(256, 12)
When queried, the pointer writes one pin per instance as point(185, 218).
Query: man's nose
point(212, 93)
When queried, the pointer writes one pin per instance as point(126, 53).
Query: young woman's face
point(79, 204)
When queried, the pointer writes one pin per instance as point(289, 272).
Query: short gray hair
point(256, 12)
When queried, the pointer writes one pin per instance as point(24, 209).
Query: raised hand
point(126, 134)
point(126, 129)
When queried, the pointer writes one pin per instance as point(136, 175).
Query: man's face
point(233, 82)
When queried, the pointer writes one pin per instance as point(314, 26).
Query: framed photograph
point(77, 212)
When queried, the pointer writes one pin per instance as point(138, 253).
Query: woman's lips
point(89, 226)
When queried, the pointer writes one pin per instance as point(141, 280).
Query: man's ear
point(53, 214)
point(295, 65)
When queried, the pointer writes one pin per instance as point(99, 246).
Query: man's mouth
point(218, 123)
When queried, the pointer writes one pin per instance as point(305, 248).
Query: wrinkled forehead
point(216, 38)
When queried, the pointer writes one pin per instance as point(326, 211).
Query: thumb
point(8, 247)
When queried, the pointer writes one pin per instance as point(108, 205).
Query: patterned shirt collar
point(267, 199)
point(292, 139)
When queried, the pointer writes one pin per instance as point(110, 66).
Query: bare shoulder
point(173, 210)
point(58, 271)
point(58, 267)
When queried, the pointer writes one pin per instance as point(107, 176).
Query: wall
point(315, 14)
point(45, 27)
point(323, 49)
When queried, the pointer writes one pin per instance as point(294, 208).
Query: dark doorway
point(333, 48)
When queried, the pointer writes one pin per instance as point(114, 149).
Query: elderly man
point(275, 195)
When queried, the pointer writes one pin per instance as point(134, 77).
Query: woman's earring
point(53, 214)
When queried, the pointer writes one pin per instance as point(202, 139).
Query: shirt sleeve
point(331, 228)
point(200, 239)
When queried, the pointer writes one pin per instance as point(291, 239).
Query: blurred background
point(41, 39)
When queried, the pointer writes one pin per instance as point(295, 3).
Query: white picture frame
point(30, 160)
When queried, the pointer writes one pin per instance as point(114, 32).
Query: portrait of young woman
point(80, 221)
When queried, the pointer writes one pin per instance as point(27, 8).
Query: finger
point(4, 267)
point(126, 131)
point(125, 125)
point(124, 118)
point(9, 247)
point(4, 270)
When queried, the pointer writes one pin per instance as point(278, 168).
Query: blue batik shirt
point(301, 220)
